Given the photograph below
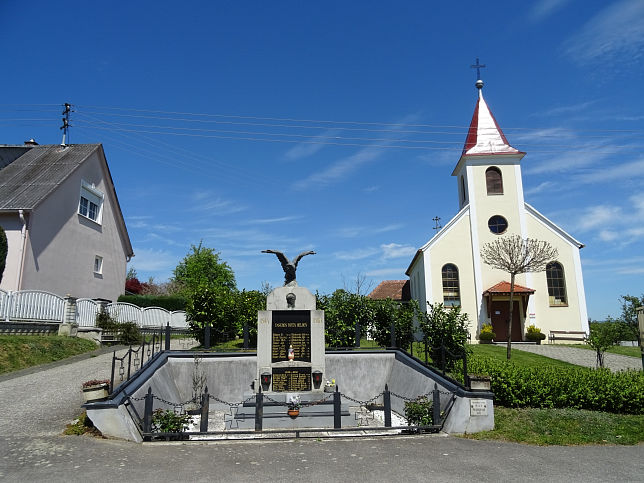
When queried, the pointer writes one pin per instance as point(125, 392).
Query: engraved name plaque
point(291, 328)
point(291, 379)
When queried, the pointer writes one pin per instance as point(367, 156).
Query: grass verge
point(519, 357)
point(563, 427)
point(618, 349)
point(19, 352)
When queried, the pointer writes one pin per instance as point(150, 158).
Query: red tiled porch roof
point(503, 288)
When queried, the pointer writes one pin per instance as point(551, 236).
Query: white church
point(449, 269)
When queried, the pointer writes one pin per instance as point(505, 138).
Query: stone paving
point(581, 357)
point(36, 407)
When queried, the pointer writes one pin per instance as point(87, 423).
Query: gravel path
point(581, 357)
point(44, 401)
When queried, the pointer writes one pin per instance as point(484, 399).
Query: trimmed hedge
point(168, 302)
point(579, 388)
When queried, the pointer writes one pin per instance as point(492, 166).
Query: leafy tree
point(3, 251)
point(602, 337)
point(446, 328)
point(133, 286)
point(131, 273)
point(342, 311)
point(629, 314)
point(383, 313)
point(514, 255)
point(225, 311)
point(201, 269)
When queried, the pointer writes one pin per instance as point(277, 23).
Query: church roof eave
point(481, 157)
point(552, 225)
point(439, 234)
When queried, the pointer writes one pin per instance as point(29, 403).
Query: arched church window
point(497, 224)
point(494, 181)
point(556, 284)
point(451, 290)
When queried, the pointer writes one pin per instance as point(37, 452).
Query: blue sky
point(335, 126)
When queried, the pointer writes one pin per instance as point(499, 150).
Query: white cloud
point(614, 34)
point(615, 172)
point(545, 8)
point(357, 254)
point(345, 166)
point(394, 250)
point(151, 260)
point(539, 188)
point(399, 273)
point(355, 231)
point(265, 221)
point(559, 110)
point(306, 149)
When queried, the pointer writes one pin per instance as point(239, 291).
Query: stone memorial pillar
point(290, 342)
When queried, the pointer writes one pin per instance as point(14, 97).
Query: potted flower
point(486, 334)
point(534, 334)
point(329, 386)
point(96, 390)
point(294, 404)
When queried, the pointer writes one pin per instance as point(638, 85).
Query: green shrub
point(445, 327)
point(385, 312)
point(486, 332)
point(550, 387)
point(534, 333)
point(167, 421)
point(168, 302)
point(129, 333)
point(419, 412)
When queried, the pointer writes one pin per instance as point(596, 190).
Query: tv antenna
point(65, 127)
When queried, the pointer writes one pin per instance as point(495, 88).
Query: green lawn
point(518, 356)
point(22, 351)
point(563, 427)
point(618, 349)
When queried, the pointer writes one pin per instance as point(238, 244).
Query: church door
point(500, 315)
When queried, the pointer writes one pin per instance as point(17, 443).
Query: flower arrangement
point(534, 333)
point(294, 401)
point(486, 333)
point(95, 382)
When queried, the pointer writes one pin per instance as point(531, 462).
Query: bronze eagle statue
point(289, 266)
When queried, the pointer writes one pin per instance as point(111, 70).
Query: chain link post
point(147, 414)
point(113, 369)
point(337, 414)
point(129, 362)
point(259, 410)
point(436, 407)
point(386, 398)
point(357, 341)
point(167, 336)
point(205, 406)
point(206, 337)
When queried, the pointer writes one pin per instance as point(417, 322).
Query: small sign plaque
point(478, 407)
point(291, 379)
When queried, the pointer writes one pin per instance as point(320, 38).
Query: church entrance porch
point(500, 314)
point(497, 300)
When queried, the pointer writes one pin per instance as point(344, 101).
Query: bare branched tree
point(514, 255)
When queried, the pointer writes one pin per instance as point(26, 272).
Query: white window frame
point(98, 265)
point(92, 196)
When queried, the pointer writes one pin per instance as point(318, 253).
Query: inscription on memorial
point(291, 328)
point(291, 379)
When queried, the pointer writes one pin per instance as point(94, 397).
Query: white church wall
point(562, 317)
point(455, 247)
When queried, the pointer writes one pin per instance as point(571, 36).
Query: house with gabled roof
point(65, 229)
point(448, 268)
point(396, 290)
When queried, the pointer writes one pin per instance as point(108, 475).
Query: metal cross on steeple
point(478, 66)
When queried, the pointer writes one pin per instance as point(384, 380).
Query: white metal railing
point(39, 305)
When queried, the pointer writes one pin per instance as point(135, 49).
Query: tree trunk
point(510, 319)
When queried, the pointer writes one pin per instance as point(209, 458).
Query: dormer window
point(494, 181)
point(91, 202)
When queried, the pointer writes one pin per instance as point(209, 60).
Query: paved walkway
point(37, 406)
point(581, 357)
